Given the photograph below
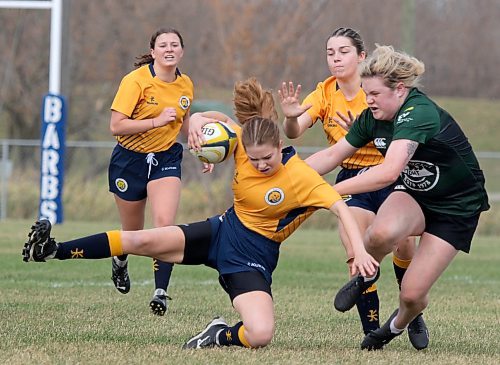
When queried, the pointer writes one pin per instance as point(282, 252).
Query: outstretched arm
point(363, 262)
point(380, 176)
point(328, 159)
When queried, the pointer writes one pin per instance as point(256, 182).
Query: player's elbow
point(291, 133)
point(114, 130)
point(390, 176)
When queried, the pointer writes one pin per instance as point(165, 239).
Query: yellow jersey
point(274, 206)
point(326, 101)
point(142, 95)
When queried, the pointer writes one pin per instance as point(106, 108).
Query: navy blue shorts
point(129, 172)
point(244, 259)
point(225, 244)
point(369, 201)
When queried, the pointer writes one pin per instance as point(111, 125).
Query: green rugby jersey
point(443, 175)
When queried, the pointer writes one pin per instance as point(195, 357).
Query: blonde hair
point(393, 67)
point(251, 100)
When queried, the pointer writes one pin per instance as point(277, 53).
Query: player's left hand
point(364, 264)
point(345, 121)
point(289, 99)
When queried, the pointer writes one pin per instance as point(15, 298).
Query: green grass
point(68, 312)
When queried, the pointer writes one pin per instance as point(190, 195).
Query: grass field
point(69, 312)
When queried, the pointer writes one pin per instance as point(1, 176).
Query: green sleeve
point(418, 123)
point(359, 134)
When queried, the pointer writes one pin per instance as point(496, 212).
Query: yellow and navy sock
point(400, 266)
point(97, 246)
point(368, 308)
point(233, 336)
point(162, 271)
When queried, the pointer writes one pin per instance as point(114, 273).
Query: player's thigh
point(363, 217)
point(164, 243)
point(431, 258)
point(256, 309)
point(400, 216)
point(131, 213)
point(164, 195)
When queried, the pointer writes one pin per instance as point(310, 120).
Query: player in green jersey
point(441, 192)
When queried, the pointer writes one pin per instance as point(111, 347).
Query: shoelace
point(151, 161)
point(416, 325)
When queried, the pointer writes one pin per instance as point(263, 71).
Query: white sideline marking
point(471, 280)
point(84, 283)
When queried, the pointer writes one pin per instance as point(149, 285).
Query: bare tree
point(228, 40)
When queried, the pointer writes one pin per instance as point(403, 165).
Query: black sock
point(368, 308)
point(97, 246)
point(162, 271)
point(233, 336)
point(91, 247)
point(400, 267)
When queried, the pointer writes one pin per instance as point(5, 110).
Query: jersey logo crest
point(121, 184)
point(420, 175)
point(184, 102)
point(380, 143)
point(151, 100)
point(274, 196)
point(405, 116)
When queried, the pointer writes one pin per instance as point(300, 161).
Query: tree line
point(229, 40)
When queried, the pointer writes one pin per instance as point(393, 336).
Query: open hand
point(289, 99)
point(345, 121)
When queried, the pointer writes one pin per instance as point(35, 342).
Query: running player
point(150, 107)
point(335, 103)
point(442, 190)
point(274, 192)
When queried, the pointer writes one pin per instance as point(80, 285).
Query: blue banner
point(53, 142)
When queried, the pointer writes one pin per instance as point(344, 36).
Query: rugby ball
point(220, 142)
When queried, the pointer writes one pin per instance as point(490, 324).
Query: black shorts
point(198, 237)
point(243, 282)
point(456, 230)
point(129, 172)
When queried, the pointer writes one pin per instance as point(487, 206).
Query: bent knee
point(139, 243)
point(414, 298)
point(380, 236)
point(259, 336)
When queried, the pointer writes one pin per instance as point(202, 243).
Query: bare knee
point(379, 237)
point(413, 298)
point(163, 220)
point(259, 334)
point(138, 243)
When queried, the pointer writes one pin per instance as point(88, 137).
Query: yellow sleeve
point(311, 189)
point(317, 99)
point(127, 97)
